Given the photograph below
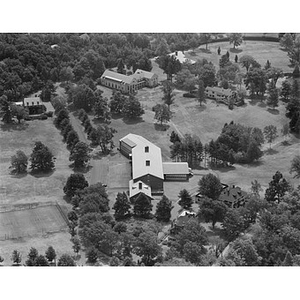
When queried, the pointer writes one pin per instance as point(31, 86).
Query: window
point(38, 103)
point(140, 185)
point(32, 103)
point(147, 149)
point(147, 162)
point(27, 103)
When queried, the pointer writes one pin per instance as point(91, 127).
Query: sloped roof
point(32, 101)
point(139, 73)
point(175, 168)
point(118, 77)
point(226, 92)
point(181, 57)
point(134, 188)
point(139, 157)
point(232, 194)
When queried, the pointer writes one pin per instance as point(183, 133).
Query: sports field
point(31, 222)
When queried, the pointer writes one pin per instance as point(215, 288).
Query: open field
point(260, 51)
point(29, 188)
point(31, 222)
point(60, 241)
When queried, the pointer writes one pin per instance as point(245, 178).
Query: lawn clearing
point(259, 50)
point(29, 188)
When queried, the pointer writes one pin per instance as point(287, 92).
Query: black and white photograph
point(163, 149)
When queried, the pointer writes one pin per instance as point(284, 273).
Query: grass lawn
point(260, 51)
point(32, 188)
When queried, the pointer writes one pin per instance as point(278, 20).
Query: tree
point(16, 257)
point(117, 101)
point(293, 113)
point(19, 112)
point(168, 88)
point(246, 61)
point(295, 166)
point(92, 255)
point(50, 254)
point(174, 137)
point(41, 261)
point(205, 38)
point(120, 227)
point(147, 247)
point(6, 110)
point(66, 129)
point(270, 133)
point(286, 89)
point(121, 66)
point(80, 154)
point(170, 65)
point(132, 108)
point(236, 39)
point(93, 202)
point(1, 259)
point(42, 160)
point(163, 209)
point(201, 92)
point(212, 210)
point(76, 244)
point(142, 206)
point(233, 224)
point(255, 81)
point(72, 138)
point(273, 96)
point(32, 255)
point(103, 136)
point(193, 253)
point(185, 80)
point(256, 188)
point(162, 48)
point(101, 108)
point(19, 162)
point(207, 73)
point(287, 41)
point(210, 186)
point(274, 74)
point(223, 61)
point(278, 186)
point(162, 113)
point(74, 183)
point(186, 200)
point(82, 96)
point(62, 114)
point(66, 261)
point(191, 232)
point(121, 206)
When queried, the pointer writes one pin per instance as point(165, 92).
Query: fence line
point(25, 206)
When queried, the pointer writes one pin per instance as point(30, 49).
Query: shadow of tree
point(273, 111)
point(236, 50)
point(100, 121)
point(222, 169)
point(270, 151)
point(116, 116)
point(14, 126)
point(204, 50)
point(201, 107)
point(40, 174)
point(133, 121)
point(286, 143)
point(18, 176)
point(161, 127)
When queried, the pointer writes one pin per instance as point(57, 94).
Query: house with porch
point(34, 105)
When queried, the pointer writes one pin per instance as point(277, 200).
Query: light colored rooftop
point(139, 73)
point(134, 188)
point(117, 76)
point(140, 156)
point(175, 168)
point(32, 101)
point(181, 57)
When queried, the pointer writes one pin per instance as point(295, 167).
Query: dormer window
point(147, 163)
point(140, 185)
point(147, 149)
point(32, 103)
point(27, 103)
point(38, 103)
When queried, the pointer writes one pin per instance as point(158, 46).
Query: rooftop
point(140, 156)
point(139, 73)
point(226, 92)
point(175, 168)
point(117, 77)
point(134, 188)
point(32, 101)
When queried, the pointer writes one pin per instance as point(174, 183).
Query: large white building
point(130, 83)
point(148, 171)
